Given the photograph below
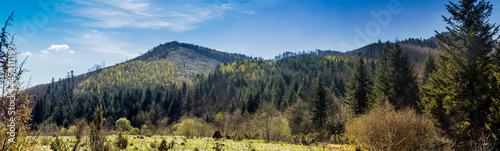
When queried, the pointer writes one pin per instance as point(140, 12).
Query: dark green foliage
point(251, 135)
point(462, 94)
point(428, 68)
point(359, 87)
point(164, 146)
point(302, 139)
point(217, 134)
point(58, 144)
point(395, 78)
point(121, 141)
point(97, 135)
point(319, 105)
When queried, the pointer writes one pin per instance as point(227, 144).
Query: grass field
point(136, 142)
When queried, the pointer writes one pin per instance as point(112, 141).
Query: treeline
point(162, 51)
point(231, 86)
point(317, 53)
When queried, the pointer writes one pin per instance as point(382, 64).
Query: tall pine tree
point(359, 87)
point(460, 95)
point(428, 68)
point(395, 78)
point(319, 104)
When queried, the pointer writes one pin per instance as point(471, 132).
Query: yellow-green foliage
point(132, 74)
point(121, 141)
point(383, 128)
point(272, 125)
point(123, 124)
point(190, 127)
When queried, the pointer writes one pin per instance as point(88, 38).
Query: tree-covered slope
point(176, 79)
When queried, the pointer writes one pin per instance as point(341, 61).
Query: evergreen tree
point(395, 78)
point(147, 100)
point(97, 134)
point(428, 68)
point(319, 104)
point(359, 88)
point(460, 94)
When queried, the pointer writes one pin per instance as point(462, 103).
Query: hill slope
point(176, 79)
point(166, 64)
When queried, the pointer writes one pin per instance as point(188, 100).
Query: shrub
point(383, 128)
point(71, 130)
point(134, 131)
point(153, 144)
point(250, 135)
point(97, 135)
point(272, 125)
point(190, 127)
point(63, 131)
point(78, 130)
point(164, 146)
point(145, 130)
point(58, 144)
point(218, 146)
point(123, 124)
point(304, 139)
point(217, 134)
point(121, 141)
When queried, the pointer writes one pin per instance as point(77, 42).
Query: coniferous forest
point(441, 93)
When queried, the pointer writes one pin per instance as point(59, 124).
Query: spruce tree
point(359, 87)
point(428, 68)
point(319, 104)
point(460, 95)
point(395, 78)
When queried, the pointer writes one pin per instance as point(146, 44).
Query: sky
point(59, 36)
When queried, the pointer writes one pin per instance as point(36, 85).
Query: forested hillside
point(176, 79)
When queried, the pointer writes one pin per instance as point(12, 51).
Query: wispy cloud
point(27, 53)
point(176, 16)
point(98, 42)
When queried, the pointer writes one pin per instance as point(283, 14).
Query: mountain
point(418, 49)
point(166, 64)
point(175, 79)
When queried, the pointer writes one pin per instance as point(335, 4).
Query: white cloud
point(27, 53)
point(58, 48)
point(176, 16)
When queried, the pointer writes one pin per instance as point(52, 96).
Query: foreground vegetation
point(141, 142)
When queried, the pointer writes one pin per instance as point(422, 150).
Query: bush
point(164, 146)
point(123, 124)
point(134, 131)
point(97, 136)
point(153, 144)
point(383, 128)
point(72, 130)
point(272, 125)
point(190, 127)
point(121, 141)
point(58, 144)
point(304, 139)
point(217, 134)
point(63, 131)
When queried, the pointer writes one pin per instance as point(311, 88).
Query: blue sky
point(63, 35)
